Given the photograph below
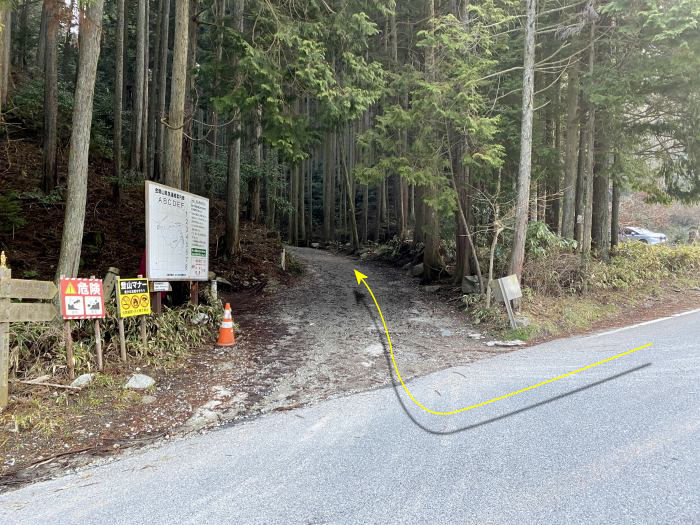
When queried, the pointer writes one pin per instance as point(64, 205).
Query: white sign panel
point(509, 288)
point(177, 234)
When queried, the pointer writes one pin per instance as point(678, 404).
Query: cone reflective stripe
point(227, 337)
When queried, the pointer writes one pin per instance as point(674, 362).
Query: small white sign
point(508, 288)
point(161, 286)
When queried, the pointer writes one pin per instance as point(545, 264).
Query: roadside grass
point(556, 316)
point(557, 302)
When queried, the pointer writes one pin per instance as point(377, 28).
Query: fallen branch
point(53, 385)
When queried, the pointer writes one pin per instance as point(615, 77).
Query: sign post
point(509, 289)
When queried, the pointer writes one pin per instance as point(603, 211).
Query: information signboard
point(82, 299)
point(177, 234)
point(133, 297)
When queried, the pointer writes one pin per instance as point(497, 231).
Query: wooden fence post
point(5, 273)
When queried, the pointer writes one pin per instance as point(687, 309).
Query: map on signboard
point(177, 234)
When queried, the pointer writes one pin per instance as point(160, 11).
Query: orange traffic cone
point(226, 335)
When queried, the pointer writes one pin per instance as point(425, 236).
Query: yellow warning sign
point(133, 297)
point(70, 290)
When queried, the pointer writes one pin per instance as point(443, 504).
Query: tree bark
point(5, 52)
point(233, 186)
point(270, 196)
point(568, 216)
point(43, 29)
point(378, 212)
point(351, 204)
point(118, 95)
point(159, 146)
point(22, 36)
point(254, 183)
point(309, 180)
point(300, 204)
point(219, 15)
point(144, 121)
point(74, 221)
point(137, 99)
point(615, 214)
point(190, 110)
point(50, 66)
point(517, 257)
point(533, 201)
point(419, 209)
point(294, 209)
point(328, 188)
point(152, 115)
point(432, 262)
point(588, 168)
point(173, 133)
point(556, 203)
point(580, 169)
point(233, 192)
point(600, 220)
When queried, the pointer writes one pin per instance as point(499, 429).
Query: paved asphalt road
point(618, 443)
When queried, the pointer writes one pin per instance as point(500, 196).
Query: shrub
point(632, 264)
point(10, 213)
point(39, 347)
point(635, 263)
point(556, 273)
point(540, 240)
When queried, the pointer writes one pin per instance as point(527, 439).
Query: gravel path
point(328, 342)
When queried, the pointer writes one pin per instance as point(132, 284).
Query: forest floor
point(114, 231)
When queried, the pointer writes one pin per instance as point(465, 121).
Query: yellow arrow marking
point(361, 279)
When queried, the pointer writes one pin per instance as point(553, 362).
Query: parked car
point(634, 233)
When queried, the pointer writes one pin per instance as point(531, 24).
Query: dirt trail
point(328, 342)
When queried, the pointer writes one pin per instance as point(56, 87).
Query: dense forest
point(452, 123)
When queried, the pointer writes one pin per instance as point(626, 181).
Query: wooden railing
point(13, 310)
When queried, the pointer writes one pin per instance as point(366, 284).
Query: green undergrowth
point(38, 348)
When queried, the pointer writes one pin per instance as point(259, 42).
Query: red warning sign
point(82, 299)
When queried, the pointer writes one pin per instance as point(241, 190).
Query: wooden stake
point(122, 340)
point(120, 324)
point(98, 338)
point(194, 293)
point(157, 302)
point(5, 273)
point(144, 336)
point(4, 364)
point(98, 343)
point(69, 349)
